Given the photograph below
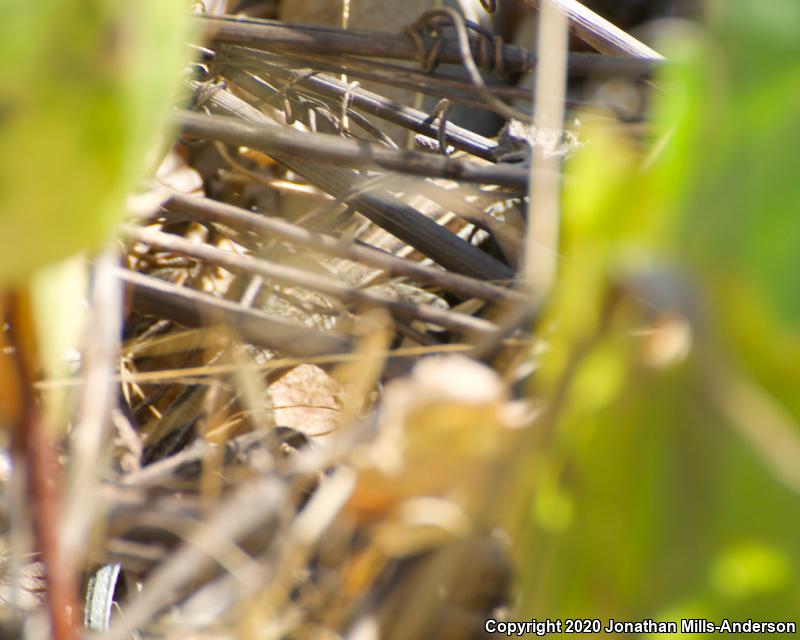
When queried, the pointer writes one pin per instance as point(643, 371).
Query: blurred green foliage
point(85, 89)
point(668, 485)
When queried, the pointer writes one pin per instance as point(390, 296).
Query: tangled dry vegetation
point(318, 408)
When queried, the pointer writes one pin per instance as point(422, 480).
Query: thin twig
point(293, 277)
point(36, 456)
point(273, 36)
point(544, 211)
point(192, 308)
point(434, 84)
point(600, 33)
point(322, 148)
point(418, 121)
point(431, 83)
point(204, 209)
point(98, 397)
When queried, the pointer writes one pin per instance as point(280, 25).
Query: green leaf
point(85, 90)
point(676, 467)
